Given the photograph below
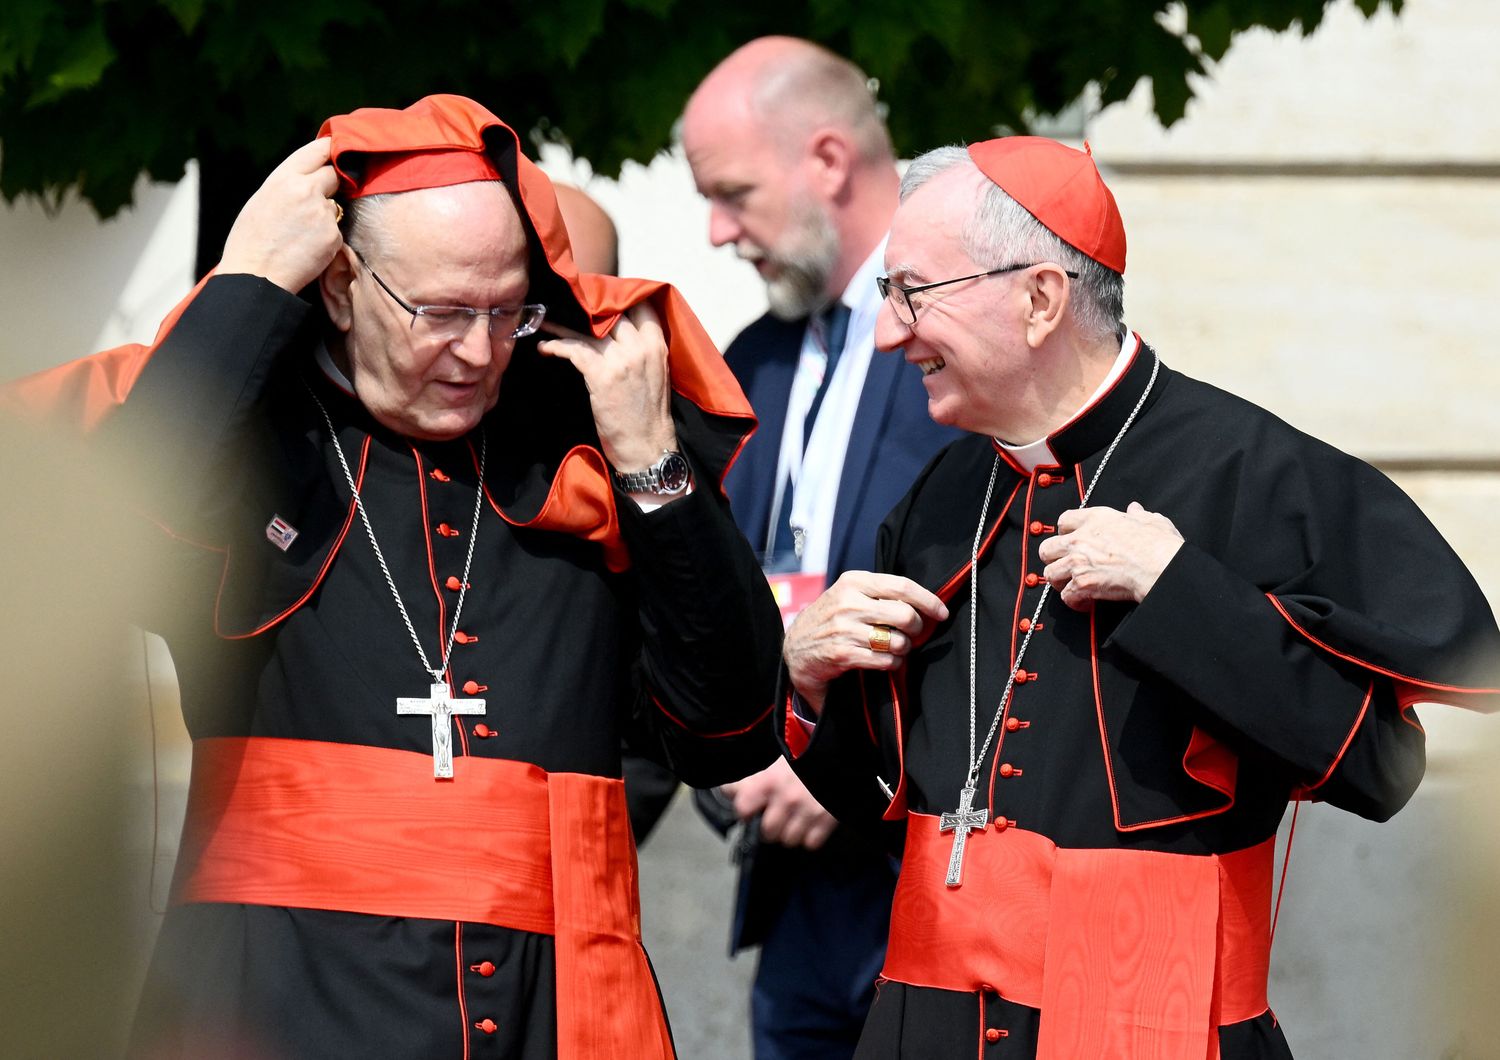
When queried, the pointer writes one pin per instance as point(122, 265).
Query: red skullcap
point(1061, 188)
point(423, 169)
point(430, 144)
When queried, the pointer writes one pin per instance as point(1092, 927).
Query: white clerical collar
point(1033, 455)
point(332, 371)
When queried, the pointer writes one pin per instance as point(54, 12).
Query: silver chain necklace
point(440, 704)
point(966, 818)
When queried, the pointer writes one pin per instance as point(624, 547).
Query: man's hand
point(1107, 554)
point(789, 814)
point(628, 383)
point(288, 230)
point(837, 632)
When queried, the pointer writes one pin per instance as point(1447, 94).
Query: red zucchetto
point(1061, 187)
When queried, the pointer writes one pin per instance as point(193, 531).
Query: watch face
point(674, 473)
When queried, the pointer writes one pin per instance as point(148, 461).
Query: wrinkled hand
point(286, 232)
point(1107, 554)
point(832, 636)
point(789, 813)
point(628, 383)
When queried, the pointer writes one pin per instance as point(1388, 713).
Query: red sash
point(368, 830)
point(1124, 952)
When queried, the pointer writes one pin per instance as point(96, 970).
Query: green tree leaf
point(94, 93)
point(80, 64)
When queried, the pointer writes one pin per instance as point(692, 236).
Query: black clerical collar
point(1095, 425)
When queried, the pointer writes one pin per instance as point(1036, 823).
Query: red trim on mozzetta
point(437, 593)
point(1081, 413)
point(1206, 760)
point(463, 1007)
point(1211, 764)
point(1040, 925)
point(359, 481)
point(1286, 863)
point(1416, 682)
point(312, 825)
point(1010, 461)
point(1017, 611)
point(794, 732)
point(432, 579)
point(946, 591)
point(580, 502)
point(1364, 708)
point(675, 720)
point(897, 808)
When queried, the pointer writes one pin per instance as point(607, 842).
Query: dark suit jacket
point(891, 441)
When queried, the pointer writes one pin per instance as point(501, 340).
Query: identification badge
point(794, 591)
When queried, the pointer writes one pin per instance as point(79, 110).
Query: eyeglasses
point(450, 323)
point(906, 309)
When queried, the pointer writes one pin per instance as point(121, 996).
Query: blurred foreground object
point(76, 921)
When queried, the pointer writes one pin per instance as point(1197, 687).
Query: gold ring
point(880, 638)
point(338, 214)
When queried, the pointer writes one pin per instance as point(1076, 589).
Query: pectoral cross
point(966, 819)
point(441, 706)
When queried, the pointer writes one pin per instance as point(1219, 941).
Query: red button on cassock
point(992, 1035)
point(1007, 769)
point(1022, 677)
point(483, 731)
point(445, 530)
point(484, 968)
point(1033, 579)
point(473, 688)
point(1036, 526)
point(438, 475)
point(454, 585)
point(487, 1025)
point(1002, 823)
point(1044, 480)
point(464, 638)
point(1012, 724)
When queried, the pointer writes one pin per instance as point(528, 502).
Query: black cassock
point(1277, 657)
point(677, 655)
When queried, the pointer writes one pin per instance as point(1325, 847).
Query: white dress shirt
point(817, 471)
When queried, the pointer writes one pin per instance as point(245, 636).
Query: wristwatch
point(668, 476)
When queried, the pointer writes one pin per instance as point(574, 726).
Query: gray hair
point(363, 227)
point(1003, 232)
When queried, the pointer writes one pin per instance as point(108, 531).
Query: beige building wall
point(1318, 235)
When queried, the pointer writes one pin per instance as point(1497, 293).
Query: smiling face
point(969, 339)
point(459, 246)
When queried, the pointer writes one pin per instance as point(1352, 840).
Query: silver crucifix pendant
point(966, 819)
point(441, 706)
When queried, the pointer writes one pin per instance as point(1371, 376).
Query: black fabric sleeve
point(711, 637)
point(198, 393)
point(1220, 640)
point(850, 764)
point(841, 765)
